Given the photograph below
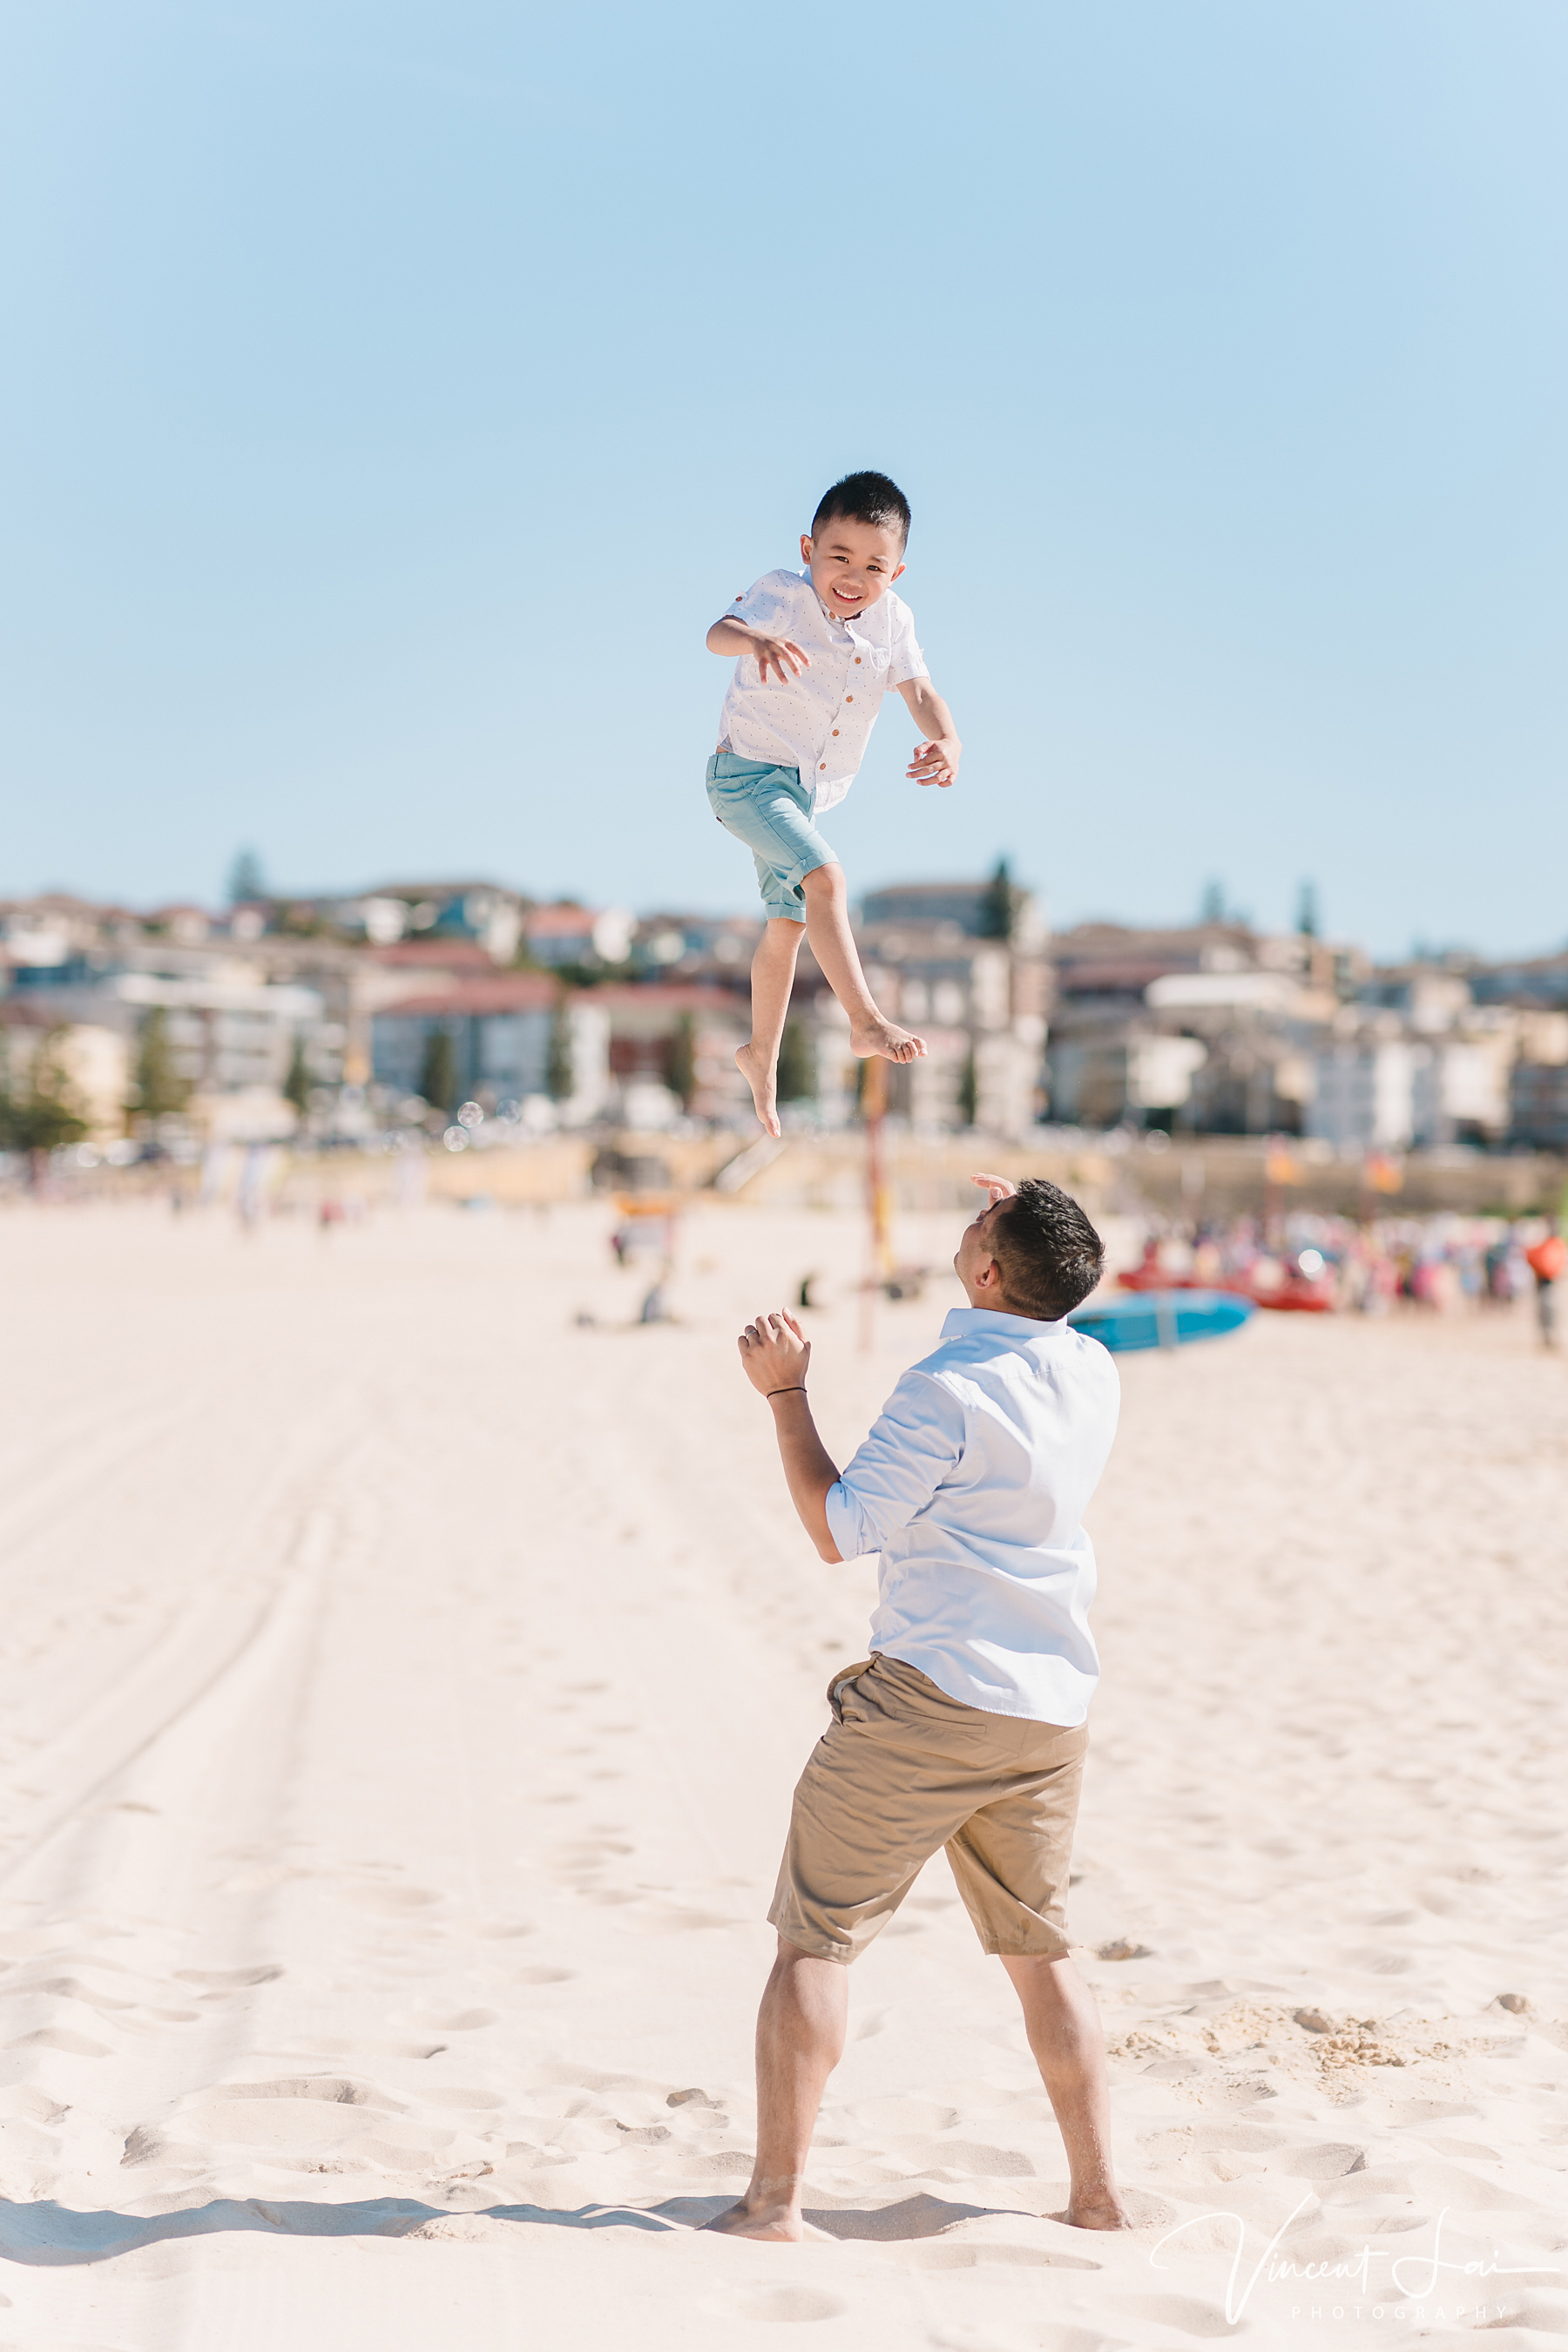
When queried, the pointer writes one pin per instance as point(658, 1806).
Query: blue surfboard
point(1162, 1318)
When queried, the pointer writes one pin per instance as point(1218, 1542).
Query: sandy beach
point(403, 1684)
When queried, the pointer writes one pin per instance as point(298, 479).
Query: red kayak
point(1286, 1286)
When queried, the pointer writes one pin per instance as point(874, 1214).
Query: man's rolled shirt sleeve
point(915, 1443)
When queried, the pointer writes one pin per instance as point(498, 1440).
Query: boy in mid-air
point(817, 650)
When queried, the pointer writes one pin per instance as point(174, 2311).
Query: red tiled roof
point(563, 921)
point(1102, 975)
point(504, 991)
point(456, 955)
point(670, 996)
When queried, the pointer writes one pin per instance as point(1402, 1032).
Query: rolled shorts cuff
point(808, 1939)
point(769, 809)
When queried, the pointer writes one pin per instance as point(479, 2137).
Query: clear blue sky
point(394, 392)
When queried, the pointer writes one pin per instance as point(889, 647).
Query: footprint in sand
point(221, 1980)
point(957, 2255)
point(390, 1898)
point(896, 2113)
point(304, 2112)
point(1182, 2312)
point(286, 2122)
point(782, 2303)
point(1330, 2162)
point(968, 2336)
point(940, 2160)
point(53, 2037)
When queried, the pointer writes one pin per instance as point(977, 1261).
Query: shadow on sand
point(46, 2233)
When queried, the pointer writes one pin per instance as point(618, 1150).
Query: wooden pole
point(873, 1110)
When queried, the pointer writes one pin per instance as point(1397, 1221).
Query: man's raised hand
point(997, 1186)
point(775, 1353)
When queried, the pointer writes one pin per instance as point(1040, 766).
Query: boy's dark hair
point(1049, 1254)
point(865, 497)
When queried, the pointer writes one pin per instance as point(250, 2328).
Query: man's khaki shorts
point(903, 1769)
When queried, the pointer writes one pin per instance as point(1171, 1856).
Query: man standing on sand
point(965, 1728)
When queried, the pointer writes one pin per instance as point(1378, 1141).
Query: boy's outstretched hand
point(775, 1352)
point(936, 763)
point(782, 654)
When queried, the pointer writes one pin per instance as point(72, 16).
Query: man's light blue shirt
point(973, 1487)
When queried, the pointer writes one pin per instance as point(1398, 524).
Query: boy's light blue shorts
point(769, 809)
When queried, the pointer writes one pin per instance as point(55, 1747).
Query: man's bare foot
point(1097, 2208)
point(770, 2225)
point(882, 1037)
point(763, 1079)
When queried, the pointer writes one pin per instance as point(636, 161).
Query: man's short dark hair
point(1049, 1254)
point(865, 497)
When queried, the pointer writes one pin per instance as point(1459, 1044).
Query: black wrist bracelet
point(798, 1390)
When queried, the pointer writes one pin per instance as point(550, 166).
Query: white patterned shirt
point(973, 1487)
point(819, 721)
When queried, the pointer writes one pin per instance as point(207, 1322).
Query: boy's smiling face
point(852, 564)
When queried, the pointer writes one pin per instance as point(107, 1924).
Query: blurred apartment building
point(353, 1006)
point(1217, 1029)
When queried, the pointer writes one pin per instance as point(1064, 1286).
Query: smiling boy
point(817, 651)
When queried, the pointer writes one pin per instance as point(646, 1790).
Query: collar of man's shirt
point(961, 1321)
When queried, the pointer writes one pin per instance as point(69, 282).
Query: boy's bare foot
point(772, 2225)
point(894, 1044)
point(1099, 2209)
point(763, 1079)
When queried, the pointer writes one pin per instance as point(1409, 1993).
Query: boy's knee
point(823, 881)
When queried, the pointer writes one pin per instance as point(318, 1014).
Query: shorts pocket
point(842, 1685)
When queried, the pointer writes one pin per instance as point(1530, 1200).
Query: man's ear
point(988, 1277)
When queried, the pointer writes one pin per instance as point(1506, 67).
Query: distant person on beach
point(1548, 1262)
point(965, 1727)
point(816, 650)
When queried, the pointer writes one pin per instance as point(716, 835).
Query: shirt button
point(822, 763)
point(857, 657)
point(849, 698)
point(835, 730)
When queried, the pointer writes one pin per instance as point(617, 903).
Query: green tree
point(680, 1061)
point(245, 878)
point(438, 1071)
point(40, 1113)
point(297, 1085)
point(999, 907)
point(158, 1088)
point(1212, 907)
point(1307, 911)
point(968, 1089)
point(560, 1074)
point(796, 1080)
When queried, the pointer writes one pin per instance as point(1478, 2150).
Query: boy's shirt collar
point(832, 621)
